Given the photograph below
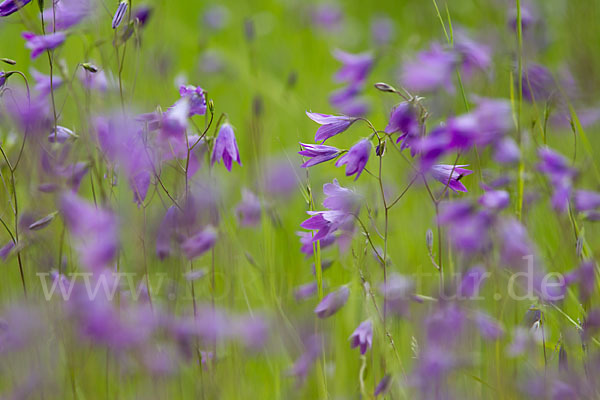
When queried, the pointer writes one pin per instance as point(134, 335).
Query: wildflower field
point(282, 199)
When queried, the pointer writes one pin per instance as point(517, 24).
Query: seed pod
point(8, 61)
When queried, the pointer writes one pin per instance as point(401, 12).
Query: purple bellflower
point(68, 13)
point(355, 67)
point(556, 167)
point(42, 82)
point(356, 158)
point(200, 243)
point(362, 336)
point(249, 209)
point(450, 175)
point(197, 99)
point(404, 119)
point(318, 154)
point(432, 69)
point(331, 125)
point(225, 147)
point(40, 43)
point(95, 231)
point(332, 302)
point(586, 200)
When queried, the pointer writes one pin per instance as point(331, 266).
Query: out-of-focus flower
point(332, 302)
point(585, 276)
point(431, 70)
point(382, 30)
point(312, 350)
point(486, 124)
point(397, 293)
point(120, 13)
point(586, 200)
point(252, 330)
point(404, 119)
point(95, 231)
point(215, 17)
point(142, 14)
point(495, 199)
point(474, 56)
point(528, 18)
point(317, 154)
point(468, 227)
point(200, 243)
point(470, 284)
point(450, 175)
point(506, 151)
point(197, 99)
point(6, 249)
point(93, 81)
point(488, 327)
point(355, 67)
point(538, 84)
point(561, 174)
point(42, 82)
point(356, 158)
point(331, 125)
point(175, 119)
point(383, 386)
point(362, 336)
point(122, 141)
point(40, 43)
point(305, 291)
point(225, 147)
point(68, 13)
point(249, 209)
point(8, 7)
point(61, 135)
point(327, 16)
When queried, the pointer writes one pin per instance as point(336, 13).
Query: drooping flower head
point(404, 119)
point(355, 67)
point(95, 231)
point(40, 43)
point(561, 175)
point(451, 175)
point(200, 243)
point(362, 336)
point(356, 159)
point(331, 125)
point(225, 147)
point(317, 154)
point(332, 302)
point(197, 99)
point(42, 82)
point(142, 14)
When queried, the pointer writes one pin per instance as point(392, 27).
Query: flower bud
point(90, 67)
point(384, 87)
point(429, 240)
point(8, 61)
